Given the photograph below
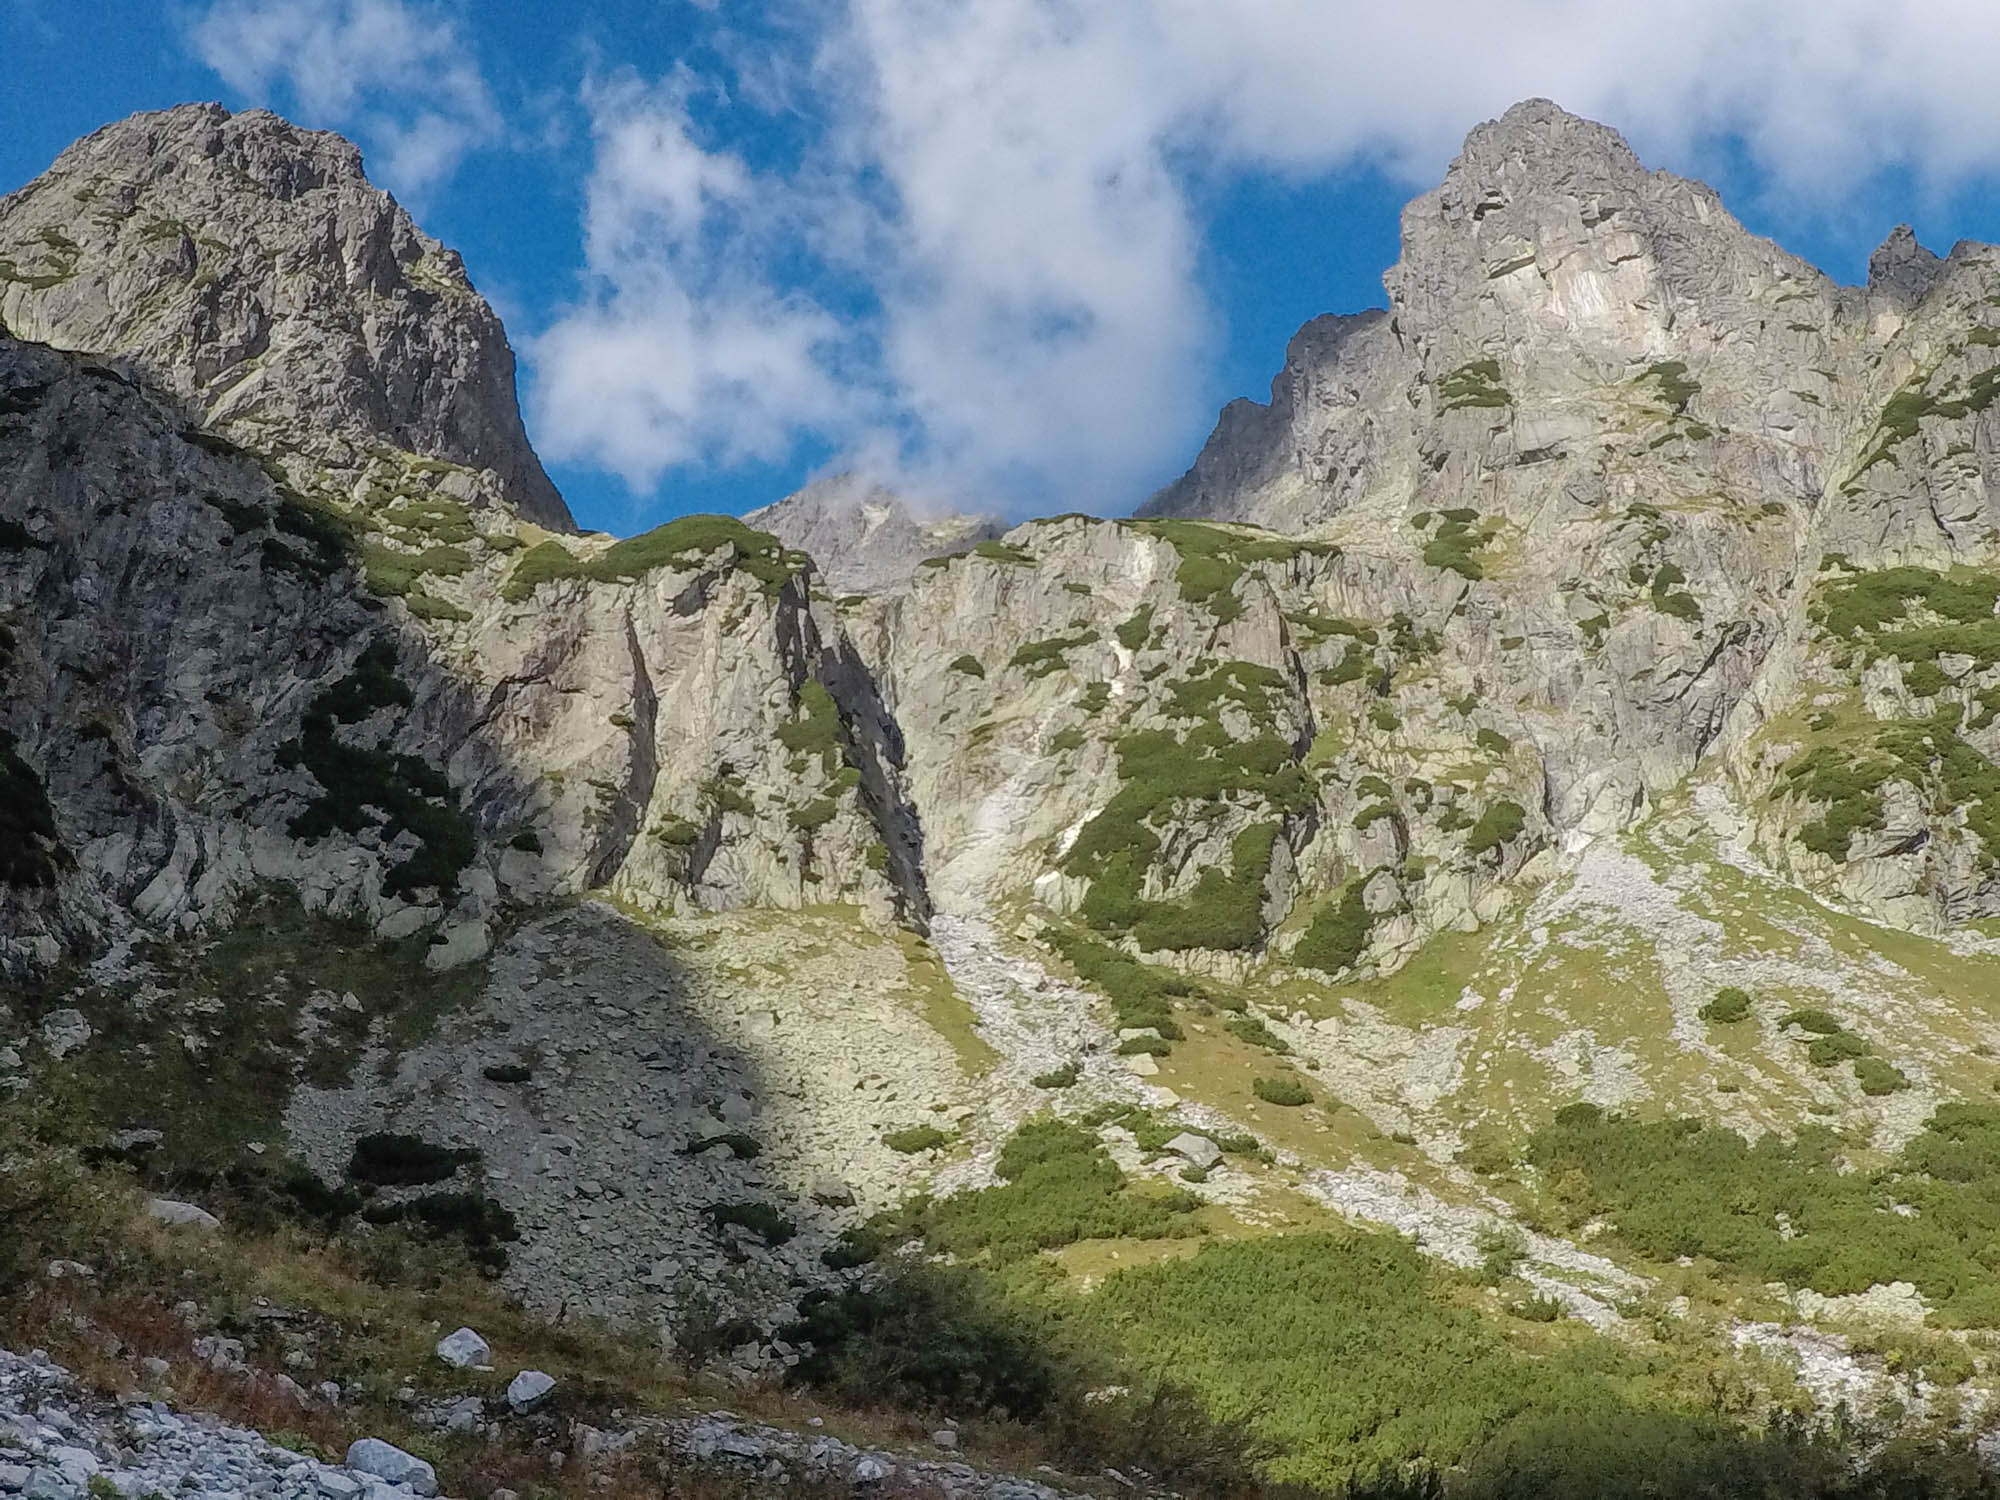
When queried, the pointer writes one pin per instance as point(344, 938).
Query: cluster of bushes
point(364, 787)
point(1214, 559)
point(1327, 1364)
point(1160, 772)
point(1058, 1185)
point(1460, 539)
point(1338, 933)
point(1786, 1211)
point(678, 544)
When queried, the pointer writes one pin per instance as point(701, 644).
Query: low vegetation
point(1215, 558)
point(1786, 1211)
point(365, 789)
point(684, 543)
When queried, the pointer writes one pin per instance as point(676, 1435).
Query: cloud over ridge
point(981, 271)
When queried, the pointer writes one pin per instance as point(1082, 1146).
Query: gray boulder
point(385, 1461)
point(528, 1390)
point(177, 1215)
point(464, 1349)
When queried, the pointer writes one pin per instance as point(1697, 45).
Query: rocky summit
point(1515, 830)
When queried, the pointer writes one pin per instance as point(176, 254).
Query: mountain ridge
point(1575, 697)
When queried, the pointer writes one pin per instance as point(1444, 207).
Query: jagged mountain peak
point(1901, 270)
point(249, 267)
point(1538, 138)
point(863, 536)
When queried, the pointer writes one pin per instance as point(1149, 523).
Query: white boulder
point(387, 1462)
point(464, 1350)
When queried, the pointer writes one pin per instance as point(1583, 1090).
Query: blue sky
point(1008, 256)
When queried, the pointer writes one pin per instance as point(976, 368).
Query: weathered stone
point(528, 1390)
point(385, 1461)
point(178, 1215)
point(464, 1349)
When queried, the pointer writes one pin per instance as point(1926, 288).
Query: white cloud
point(681, 352)
point(399, 74)
point(1007, 186)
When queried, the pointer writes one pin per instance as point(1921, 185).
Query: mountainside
point(1568, 707)
point(249, 267)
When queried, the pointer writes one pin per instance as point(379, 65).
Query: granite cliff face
point(1621, 560)
point(250, 268)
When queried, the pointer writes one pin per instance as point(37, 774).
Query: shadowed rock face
point(250, 267)
point(864, 538)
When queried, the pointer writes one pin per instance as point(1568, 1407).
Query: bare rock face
point(250, 267)
point(865, 538)
point(1702, 497)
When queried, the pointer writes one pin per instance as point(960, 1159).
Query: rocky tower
point(1667, 464)
point(250, 267)
point(864, 537)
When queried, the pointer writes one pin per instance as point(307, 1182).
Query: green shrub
point(1493, 742)
point(1058, 1078)
point(1140, 994)
point(1058, 1186)
point(1257, 1034)
point(1373, 813)
point(916, 1138)
point(1500, 824)
point(1039, 658)
point(1137, 627)
point(1214, 559)
point(1151, 1046)
point(1818, 1022)
point(1338, 934)
point(31, 849)
point(358, 782)
point(1476, 383)
point(482, 1226)
point(815, 815)
point(815, 730)
point(1676, 390)
point(967, 665)
point(1924, 678)
point(742, 1147)
point(761, 1219)
point(1729, 1005)
point(1878, 1076)
point(1282, 1090)
point(678, 544)
point(396, 574)
point(389, 1159)
point(1003, 552)
point(1839, 1047)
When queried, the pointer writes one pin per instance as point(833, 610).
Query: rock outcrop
point(1605, 424)
point(864, 538)
point(249, 267)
